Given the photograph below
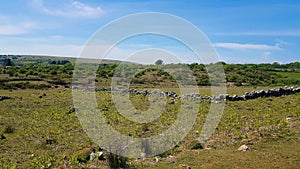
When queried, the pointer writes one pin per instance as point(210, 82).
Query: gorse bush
point(116, 161)
point(8, 130)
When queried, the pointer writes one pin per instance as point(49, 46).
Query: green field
point(294, 75)
point(40, 132)
point(39, 127)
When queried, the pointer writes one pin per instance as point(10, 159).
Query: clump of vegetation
point(81, 156)
point(195, 145)
point(116, 161)
point(159, 62)
point(9, 129)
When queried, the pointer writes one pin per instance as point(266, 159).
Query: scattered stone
point(288, 119)
point(243, 148)
point(92, 155)
point(101, 156)
point(170, 156)
point(4, 98)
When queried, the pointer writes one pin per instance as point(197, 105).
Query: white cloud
point(239, 46)
point(45, 50)
point(9, 29)
point(274, 33)
point(293, 33)
point(73, 10)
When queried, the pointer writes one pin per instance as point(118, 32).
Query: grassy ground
point(274, 154)
point(295, 75)
point(40, 132)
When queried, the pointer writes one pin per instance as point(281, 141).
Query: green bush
point(115, 161)
point(8, 130)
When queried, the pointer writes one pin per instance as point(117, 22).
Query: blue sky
point(241, 31)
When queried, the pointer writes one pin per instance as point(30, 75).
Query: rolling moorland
point(39, 127)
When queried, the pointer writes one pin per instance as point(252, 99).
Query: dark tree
point(159, 62)
point(7, 62)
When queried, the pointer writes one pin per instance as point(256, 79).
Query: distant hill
point(17, 71)
point(22, 60)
